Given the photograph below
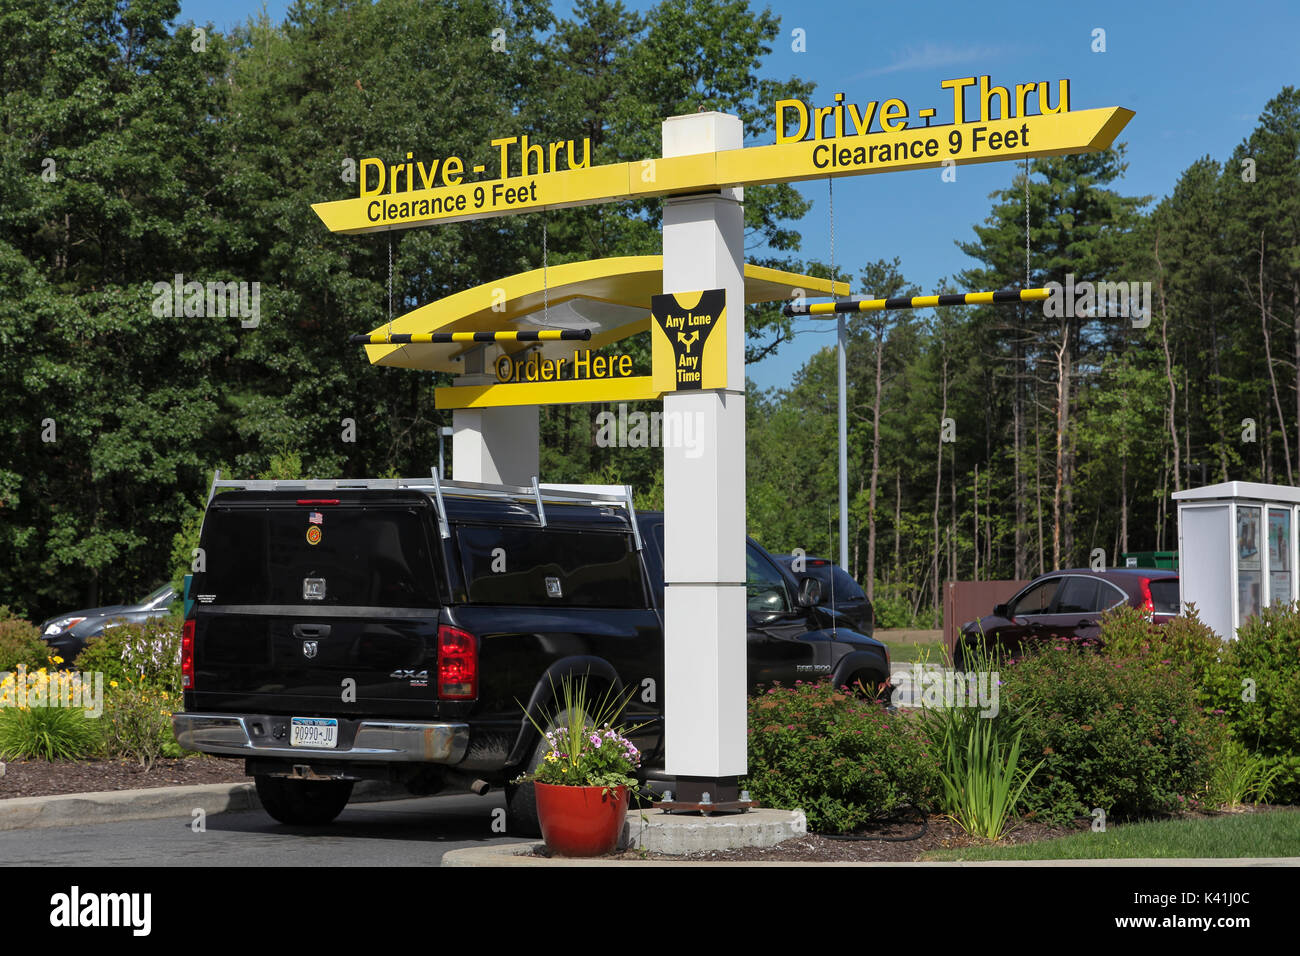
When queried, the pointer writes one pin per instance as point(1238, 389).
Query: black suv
point(841, 595)
point(391, 629)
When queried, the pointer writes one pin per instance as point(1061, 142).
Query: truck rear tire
point(308, 803)
point(521, 810)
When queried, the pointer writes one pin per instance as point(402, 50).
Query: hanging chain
point(1026, 222)
point(830, 208)
point(390, 286)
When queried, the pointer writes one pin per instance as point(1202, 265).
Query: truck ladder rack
point(536, 494)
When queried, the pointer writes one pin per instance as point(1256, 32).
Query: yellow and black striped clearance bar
point(434, 338)
point(920, 302)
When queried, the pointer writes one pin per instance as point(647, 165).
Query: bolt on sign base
point(722, 806)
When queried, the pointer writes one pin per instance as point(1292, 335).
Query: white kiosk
point(1236, 550)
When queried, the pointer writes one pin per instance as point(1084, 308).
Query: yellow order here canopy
point(607, 298)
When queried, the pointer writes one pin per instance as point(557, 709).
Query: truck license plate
point(314, 732)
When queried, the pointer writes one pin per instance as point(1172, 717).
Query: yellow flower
point(57, 659)
point(112, 683)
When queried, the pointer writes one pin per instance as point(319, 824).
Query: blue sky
point(1196, 73)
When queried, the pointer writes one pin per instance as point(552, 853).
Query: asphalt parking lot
point(415, 832)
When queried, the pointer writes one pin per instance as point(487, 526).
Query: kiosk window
point(1279, 556)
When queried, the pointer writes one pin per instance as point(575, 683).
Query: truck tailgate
point(318, 605)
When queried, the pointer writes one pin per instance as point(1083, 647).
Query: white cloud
point(932, 56)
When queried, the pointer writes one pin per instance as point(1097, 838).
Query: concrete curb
point(679, 834)
point(521, 855)
point(110, 806)
point(154, 803)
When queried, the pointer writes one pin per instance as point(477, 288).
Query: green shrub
point(41, 719)
point(980, 752)
point(43, 716)
point(186, 541)
point(148, 652)
point(8, 613)
point(1259, 694)
point(138, 722)
point(983, 781)
point(48, 733)
point(1183, 642)
point(141, 668)
point(1286, 783)
point(20, 643)
point(892, 609)
point(1240, 775)
point(1113, 733)
point(842, 760)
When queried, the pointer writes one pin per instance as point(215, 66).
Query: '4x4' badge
point(417, 679)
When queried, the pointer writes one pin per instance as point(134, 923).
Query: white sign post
point(704, 495)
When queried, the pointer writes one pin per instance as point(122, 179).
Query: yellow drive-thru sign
point(812, 142)
point(918, 148)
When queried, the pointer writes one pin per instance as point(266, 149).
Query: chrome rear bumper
point(374, 741)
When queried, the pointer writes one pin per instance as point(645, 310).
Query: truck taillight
point(1148, 605)
point(457, 664)
point(187, 655)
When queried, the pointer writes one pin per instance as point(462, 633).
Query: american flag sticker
point(316, 518)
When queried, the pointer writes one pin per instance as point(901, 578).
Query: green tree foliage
point(138, 148)
point(999, 442)
point(1068, 433)
point(110, 186)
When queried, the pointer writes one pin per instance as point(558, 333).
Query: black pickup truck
point(392, 629)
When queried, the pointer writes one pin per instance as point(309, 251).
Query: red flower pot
point(580, 821)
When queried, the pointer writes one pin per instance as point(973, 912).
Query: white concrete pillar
point(704, 485)
point(494, 445)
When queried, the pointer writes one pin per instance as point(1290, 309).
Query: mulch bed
point(877, 847)
point(902, 841)
point(40, 778)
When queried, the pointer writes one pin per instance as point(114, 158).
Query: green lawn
point(907, 653)
point(912, 644)
point(1271, 833)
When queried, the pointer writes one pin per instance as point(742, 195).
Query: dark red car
point(1069, 604)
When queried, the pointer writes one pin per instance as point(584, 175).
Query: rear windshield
point(846, 589)
point(1164, 596)
point(328, 555)
point(536, 566)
